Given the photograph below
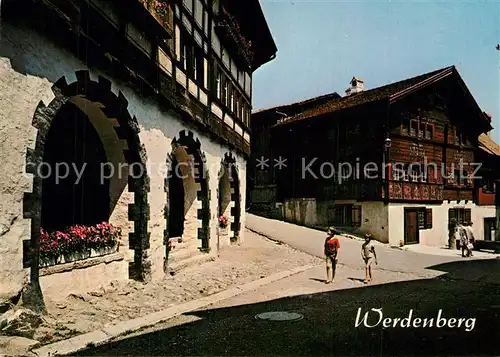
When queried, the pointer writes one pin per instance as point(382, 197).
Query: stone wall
point(29, 66)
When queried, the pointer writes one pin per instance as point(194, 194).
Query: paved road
point(311, 241)
point(329, 313)
point(403, 281)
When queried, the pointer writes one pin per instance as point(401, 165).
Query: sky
point(322, 44)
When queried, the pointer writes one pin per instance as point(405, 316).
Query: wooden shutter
point(356, 216)
point(428, 218)
point(467, 215)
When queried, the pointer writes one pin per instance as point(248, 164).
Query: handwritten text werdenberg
point(375, 317)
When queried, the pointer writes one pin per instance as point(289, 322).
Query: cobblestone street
point(258, 257)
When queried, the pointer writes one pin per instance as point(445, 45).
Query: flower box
point(78, 243)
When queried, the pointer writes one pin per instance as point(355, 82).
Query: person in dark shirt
point(332, 246)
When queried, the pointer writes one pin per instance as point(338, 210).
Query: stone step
point(200, 258)
point(182, 254)
point(190, 245)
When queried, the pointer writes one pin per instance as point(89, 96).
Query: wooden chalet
point(385, 160)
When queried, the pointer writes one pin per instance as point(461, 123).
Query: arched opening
point(176, 204)
point(73, 190)
point(229, 205)
point(85, 123)
point(187, 210)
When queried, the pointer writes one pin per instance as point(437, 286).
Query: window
point(356, 216)
point(218, 84)
point(231, 103)
point(205, 22)
point(405, 123)
point(421, 219)
point(416, 173)
point(347, 215)
point(189, 5)
point(225, 92)
point(421, 130)
point(398, 172)
point(429, 131)
point(462, 215)
point(425, 218)
point(198, 12)
point(413, 128)
point(199, 75)
point(184, 57)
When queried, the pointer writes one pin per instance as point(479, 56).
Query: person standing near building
point(368, 254)
point(332, 246)
point(470, 238)
point(464, 242)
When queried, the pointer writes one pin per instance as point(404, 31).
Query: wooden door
point(411, 227)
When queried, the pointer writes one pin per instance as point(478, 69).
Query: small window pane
point(198, 12)
point(189, 5)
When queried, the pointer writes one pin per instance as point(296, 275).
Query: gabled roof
point(489, 145)
point(391, 92)
point(388, 91)
point(333, 95)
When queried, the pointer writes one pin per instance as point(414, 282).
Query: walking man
point(368, 254)
point(332, 246)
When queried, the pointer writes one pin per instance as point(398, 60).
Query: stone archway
point(114, 120)
point(188, 200)
point(229, 196)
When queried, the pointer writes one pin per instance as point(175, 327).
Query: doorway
point(411, 233)
point(489, 228)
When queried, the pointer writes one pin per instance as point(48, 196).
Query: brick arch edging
point(187, 139)
point(229, 163)
point(115, 107)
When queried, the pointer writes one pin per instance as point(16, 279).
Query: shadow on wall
point(331, 331)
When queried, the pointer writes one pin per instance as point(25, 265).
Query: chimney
point(356, 86)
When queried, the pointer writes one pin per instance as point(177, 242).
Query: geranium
point(162, 9)
point(78, 238)
point(232, 28)
point(223, 221)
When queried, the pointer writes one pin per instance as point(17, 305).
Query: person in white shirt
point(463, 240)
point(470, 238)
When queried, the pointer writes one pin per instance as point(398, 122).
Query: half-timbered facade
point(397, 160)
point(148, 102)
